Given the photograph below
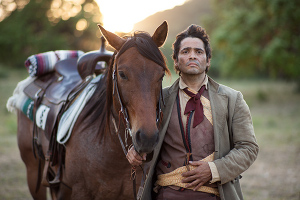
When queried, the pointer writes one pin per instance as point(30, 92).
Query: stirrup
point(47, 171)
point(56, 181)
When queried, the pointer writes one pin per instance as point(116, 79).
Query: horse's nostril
point(145, 141)
point(138, 136)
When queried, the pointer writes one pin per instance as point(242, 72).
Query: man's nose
point(192, 55)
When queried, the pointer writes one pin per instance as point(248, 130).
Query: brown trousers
point(166, 193)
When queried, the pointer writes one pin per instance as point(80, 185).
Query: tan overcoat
point(235, 143)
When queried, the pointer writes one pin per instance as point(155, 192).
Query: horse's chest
point(108, 187)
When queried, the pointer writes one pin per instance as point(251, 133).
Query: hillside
point(178, 18)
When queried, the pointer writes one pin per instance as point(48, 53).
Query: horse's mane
point(98, 109)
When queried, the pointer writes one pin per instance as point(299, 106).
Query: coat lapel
point(219, 109)
point(169, 97)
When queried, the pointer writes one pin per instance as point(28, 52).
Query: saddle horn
point(87, 63)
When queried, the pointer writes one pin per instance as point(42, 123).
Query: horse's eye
point(122, 75)
point(161, 79)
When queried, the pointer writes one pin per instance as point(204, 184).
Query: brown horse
point(127, 101)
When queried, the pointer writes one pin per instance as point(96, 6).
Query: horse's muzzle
point(145, 142)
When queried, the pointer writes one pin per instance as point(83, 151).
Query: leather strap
point(45, 172)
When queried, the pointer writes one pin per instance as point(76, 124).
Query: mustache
point(193, 61)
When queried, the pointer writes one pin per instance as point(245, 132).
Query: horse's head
point(137, 74)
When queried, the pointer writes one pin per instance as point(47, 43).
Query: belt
point(175, 178)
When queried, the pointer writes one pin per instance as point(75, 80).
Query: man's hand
point(134, 158)
point(198, 176)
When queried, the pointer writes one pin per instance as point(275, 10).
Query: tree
point(254, 38)
point(43, 25)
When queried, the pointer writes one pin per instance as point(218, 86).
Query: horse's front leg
point(26, 152)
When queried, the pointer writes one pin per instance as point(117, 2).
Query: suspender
point(186, 136)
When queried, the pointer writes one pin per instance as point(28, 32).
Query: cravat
point(194, 104)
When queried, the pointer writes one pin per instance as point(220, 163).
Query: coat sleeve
point(244, 148)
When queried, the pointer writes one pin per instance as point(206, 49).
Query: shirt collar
point(183, 85)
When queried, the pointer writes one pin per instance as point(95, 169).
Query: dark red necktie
point(195, 104)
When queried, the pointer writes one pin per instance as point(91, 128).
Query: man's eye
point(122, 75)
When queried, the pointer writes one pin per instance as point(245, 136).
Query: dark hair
point(196, 32)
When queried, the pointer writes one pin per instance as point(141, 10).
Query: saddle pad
point(70, 116)
point(25, 104)
point(19, 101)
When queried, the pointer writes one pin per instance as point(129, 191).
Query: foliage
point(254, 38)
point(44, 25)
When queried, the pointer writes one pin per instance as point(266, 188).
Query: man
point(206, 138)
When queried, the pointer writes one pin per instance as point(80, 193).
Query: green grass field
point(275, 111)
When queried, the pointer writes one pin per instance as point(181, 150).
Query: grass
point(275, 111)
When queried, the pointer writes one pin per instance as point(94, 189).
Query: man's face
point(192, 57)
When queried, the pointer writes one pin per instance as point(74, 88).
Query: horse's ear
point(160, 34)
point(115, 41)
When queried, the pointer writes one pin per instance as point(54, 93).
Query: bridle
point(124, 113)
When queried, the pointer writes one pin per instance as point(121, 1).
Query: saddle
point(53, 93)
point(56, 90)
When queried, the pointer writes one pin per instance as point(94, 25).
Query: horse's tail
point(14, 101)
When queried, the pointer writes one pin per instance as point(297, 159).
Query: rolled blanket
point(43, 63)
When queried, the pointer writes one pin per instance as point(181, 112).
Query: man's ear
point(208, 62)
point(115, 41)
point(207, 65)
point(160, 34)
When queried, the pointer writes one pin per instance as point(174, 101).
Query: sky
point(121, 15)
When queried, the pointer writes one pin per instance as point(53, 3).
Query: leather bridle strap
point(123, 109)
point(133, 170)
point(120, 139)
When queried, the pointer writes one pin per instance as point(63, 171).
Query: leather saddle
point(56, 91)
point(52, 90)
